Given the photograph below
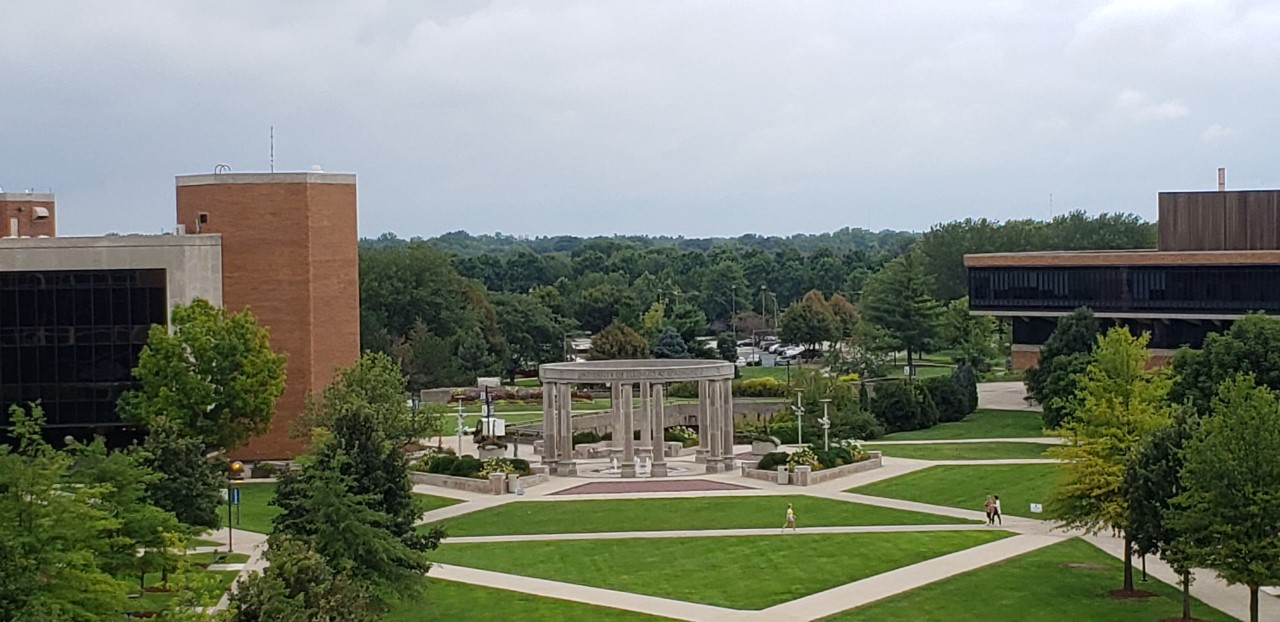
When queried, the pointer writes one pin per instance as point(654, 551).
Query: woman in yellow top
point(791, 520)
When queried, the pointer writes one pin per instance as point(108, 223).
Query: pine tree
point(897, 299)
point(189, 484)
point(1064, 357)
point(670, 345)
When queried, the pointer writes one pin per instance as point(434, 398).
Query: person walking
point(791, 520)
point(996, 513)
point(990, 506)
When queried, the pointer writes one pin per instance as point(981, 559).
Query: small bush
point(772, 460)
point(681, 434)
point(767, 386)
point(898, 406)
point(683, 390)
point(804, 457)
point(586, 436)
point(441, 464)
point(858, 424)
point(834, 457)
point(264, 469)
point(851, 377)
point(466, 466)
point(952, 403)
point(965, 378)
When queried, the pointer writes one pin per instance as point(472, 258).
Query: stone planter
point(494, 452)
point(760, 448)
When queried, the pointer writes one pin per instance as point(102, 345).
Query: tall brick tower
point(289, 253)
point(27, 214)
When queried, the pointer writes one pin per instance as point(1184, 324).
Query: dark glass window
point(1160, 289)
point(70, 340)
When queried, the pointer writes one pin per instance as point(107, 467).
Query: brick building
point(74, 311)
point(1217, 258)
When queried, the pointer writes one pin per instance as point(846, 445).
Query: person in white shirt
point(996, 514)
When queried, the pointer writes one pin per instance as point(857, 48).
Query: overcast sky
point(675, 117)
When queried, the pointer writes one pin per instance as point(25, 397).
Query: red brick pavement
point(675, 485)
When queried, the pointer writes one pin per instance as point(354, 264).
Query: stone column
point(615, 395)
point(565, 417)
point(646, 415)
point(628, 465)
point(726, 404)
point(659, 423)
point(704, 395)
point(711, 432)
point(550, 445)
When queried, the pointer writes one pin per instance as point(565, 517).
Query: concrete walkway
point(1004, 396)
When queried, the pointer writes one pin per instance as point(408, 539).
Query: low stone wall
point(803, 476)
point(497, 484)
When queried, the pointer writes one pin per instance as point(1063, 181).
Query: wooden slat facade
point(1217, 221)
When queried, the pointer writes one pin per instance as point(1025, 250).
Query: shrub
point(264, 469)
point(520, 465)
point(855, 449)
point(952, 403)
point(858, 424)
point(834, 457)
point(898, 406)
point(767, 386)
point(928, 408)
point(681, 434)
point(439, 463)
point(804, 457)
point(850, 377)
point(586, 436)
point(966, 379)
point(495, 465)
point(684, 390)
point(466, 466)
point(772, 460)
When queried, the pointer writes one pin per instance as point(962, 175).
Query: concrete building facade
point(74, 317)
point(27, 214)
point(1217, 258)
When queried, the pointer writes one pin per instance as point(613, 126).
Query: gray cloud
point(701, 118)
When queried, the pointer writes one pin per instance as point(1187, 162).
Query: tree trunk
point(1128, 564)
point(911, 365)
point(1186, 595)
point(1253, 603)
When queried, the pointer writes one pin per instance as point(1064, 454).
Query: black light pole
point(1144, 568)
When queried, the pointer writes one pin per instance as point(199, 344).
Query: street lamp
point(461, 425)
point(799, 410)
point(826, 424)
point(235, 471)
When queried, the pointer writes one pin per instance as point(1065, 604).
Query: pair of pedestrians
point(993, 510)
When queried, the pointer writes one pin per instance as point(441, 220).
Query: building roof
point(1141, 257)
point(110, 241)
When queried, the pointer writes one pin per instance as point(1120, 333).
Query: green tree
point(1228, 508)
point(299, 586)
point(1064, 357)
point(52, 534)
point(1152, 480)
point(688, 320)
point(428, 360)
point(189, 484)
point(973, 337)
point(653, 321)
point(809, 321)
point(846, 316)
point(670, 345)
point(618, 341)
point(898, 299)
point(375, 386)
point(215, 375)
point(1117, 404)
point(473, 354)
point(1249, 346)
point(534, 333)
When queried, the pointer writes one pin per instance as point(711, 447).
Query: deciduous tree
point(215, 375)
point(375, 386)
point(618, 341)
point(1249, 346)
point(189, 484)
point(1117, 404)
point(809, 321)
point(1228, 508)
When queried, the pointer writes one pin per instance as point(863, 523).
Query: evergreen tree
point(473, 354)
point(897, 298)
point(670, 345)
point(1118, 403)
point(299, 586)
point(1064, 357)
point(189, 484)
point(1228, 508)
point(214, 374)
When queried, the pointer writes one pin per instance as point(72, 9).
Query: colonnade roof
point(636, 370)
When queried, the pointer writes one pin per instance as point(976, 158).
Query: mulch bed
point(1184, 620)
point(679, 485)
point(1130, 594)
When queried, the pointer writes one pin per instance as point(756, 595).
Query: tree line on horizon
point(458, 306)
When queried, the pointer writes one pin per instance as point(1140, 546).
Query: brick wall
point(23, 209)
point(289, 255)
point(1025, 357)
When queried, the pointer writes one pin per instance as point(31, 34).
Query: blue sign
point(235, 496)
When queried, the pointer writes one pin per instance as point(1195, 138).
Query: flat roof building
point(75, 312)
point(1217, 258)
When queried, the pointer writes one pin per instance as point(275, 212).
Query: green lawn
point(208, 587)
point(603, 515)
point(984, 423)
point(462, 602)
point(201, 542)
point(1065, 582)
point(779, 372)
point(1018, 486)
point(963, 451)
point(743, 572)
point(256, 514)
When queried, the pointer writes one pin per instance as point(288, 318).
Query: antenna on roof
point(219, 169)
point(273, 148)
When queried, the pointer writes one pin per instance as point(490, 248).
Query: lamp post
point(461, 425)
point(235, 471)
point(799, 410)
point(826, 424)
